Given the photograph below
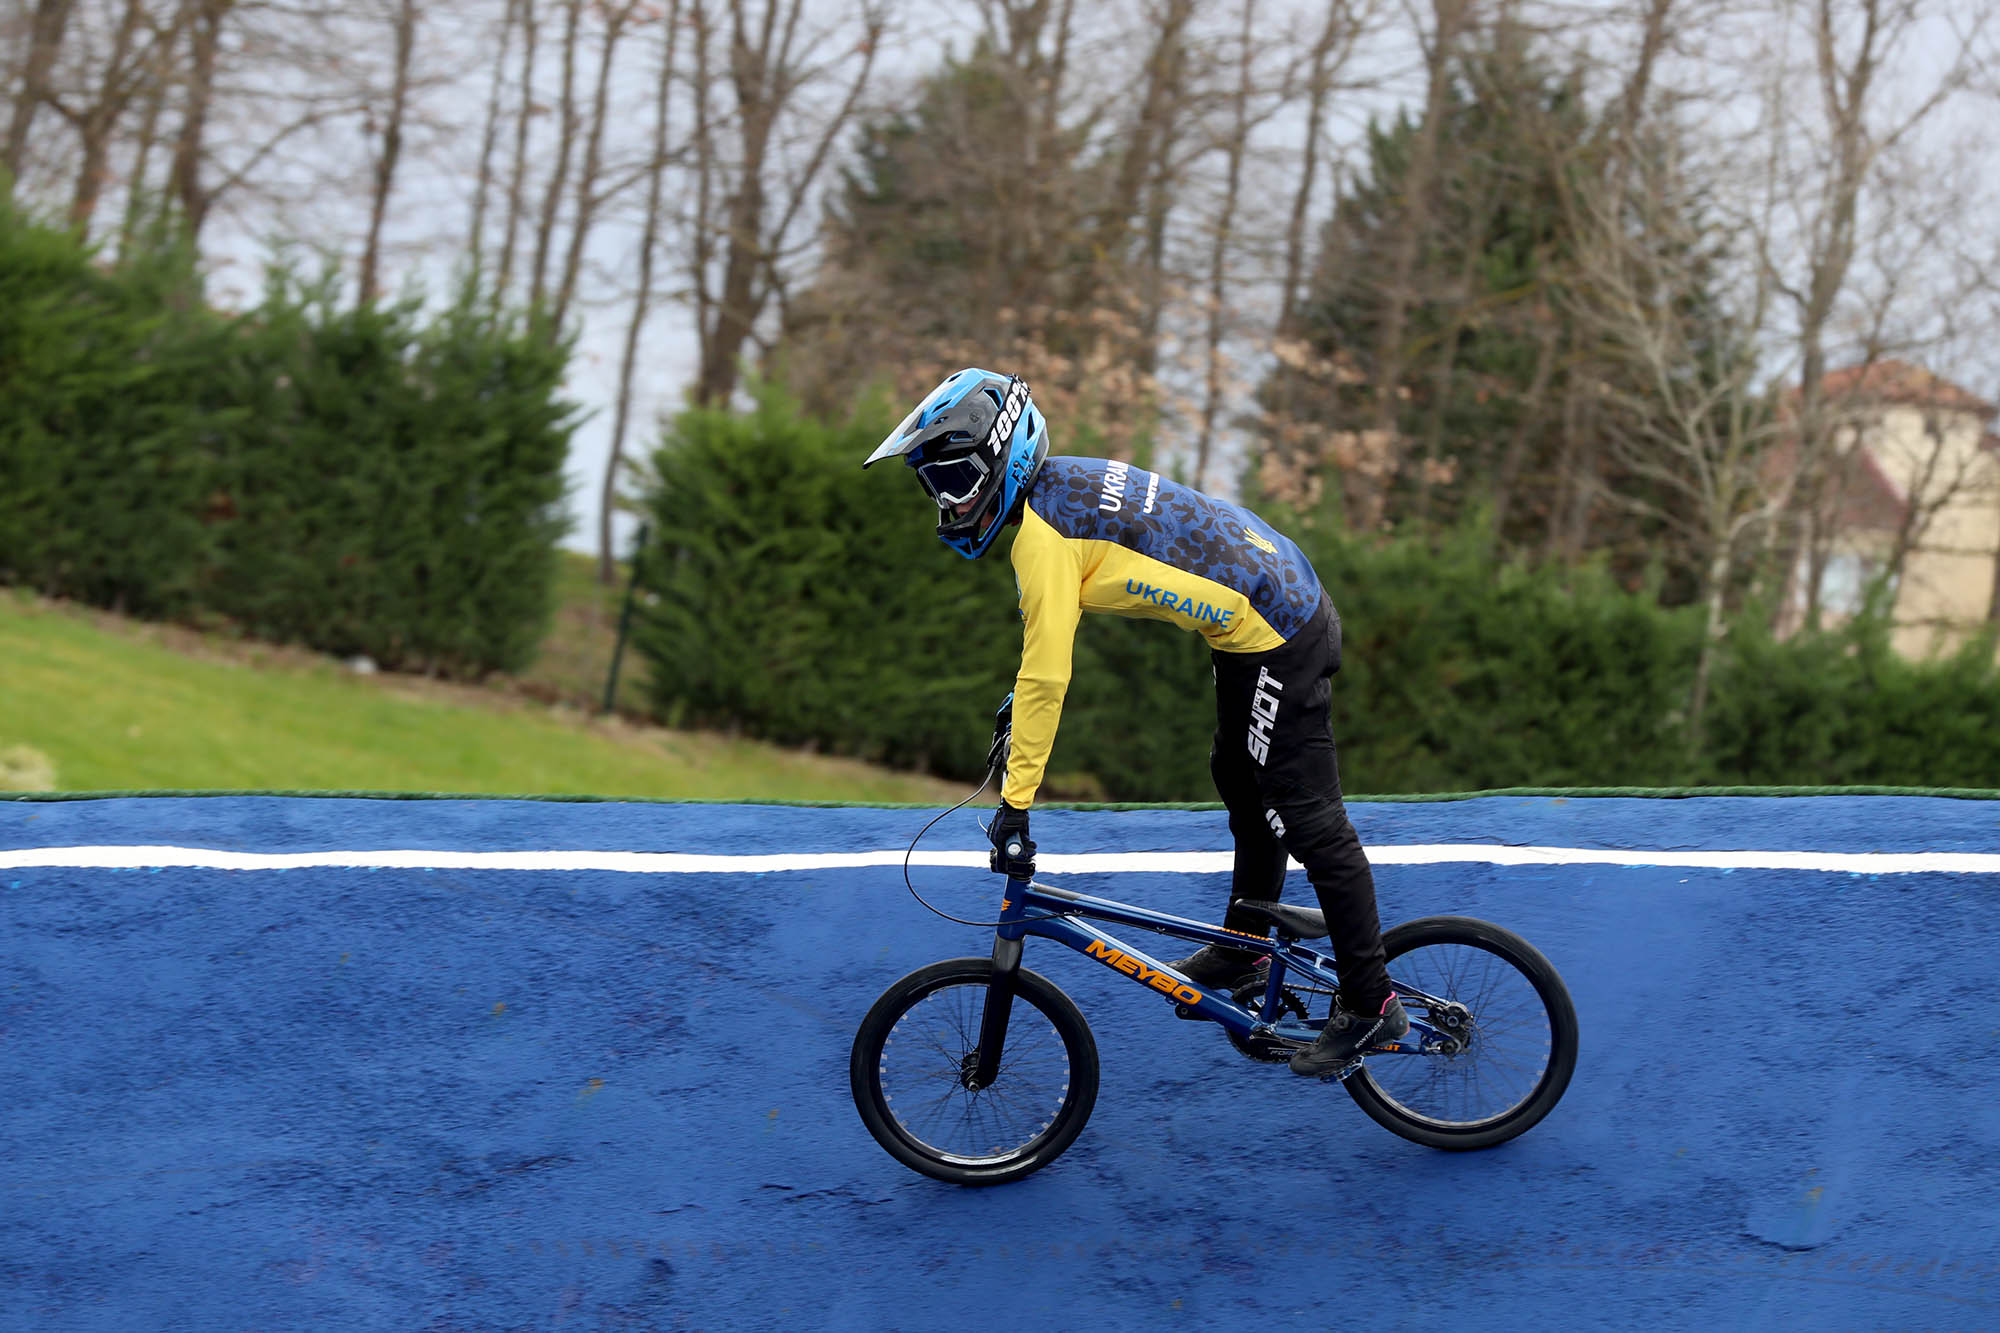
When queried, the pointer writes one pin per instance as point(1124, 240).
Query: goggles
point(953, 481)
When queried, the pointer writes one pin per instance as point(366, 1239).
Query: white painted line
point(1089, 863)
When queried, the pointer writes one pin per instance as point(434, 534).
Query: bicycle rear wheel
point(1510, 1040)
point(917, 1047)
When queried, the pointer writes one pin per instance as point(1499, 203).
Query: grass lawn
point(108, 704)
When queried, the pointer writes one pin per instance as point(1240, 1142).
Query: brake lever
point(996, 757)
point(1003, 736)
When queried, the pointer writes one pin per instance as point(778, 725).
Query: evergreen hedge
point(396, 487)
point(799, 600)
point(357, 480)
point(803, 601)
point(1843, 709)
point(109, 421)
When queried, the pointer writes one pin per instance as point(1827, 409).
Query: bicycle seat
point(1293, 923)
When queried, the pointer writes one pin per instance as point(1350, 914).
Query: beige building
point(1915, 490)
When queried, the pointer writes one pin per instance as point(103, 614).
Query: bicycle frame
point(1056, 914)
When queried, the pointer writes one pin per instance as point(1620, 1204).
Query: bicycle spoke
point(1507, 1045)
point(923, 1070)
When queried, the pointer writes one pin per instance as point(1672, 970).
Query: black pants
point(1277, 772)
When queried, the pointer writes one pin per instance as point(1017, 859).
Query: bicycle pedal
point(1342, 1074)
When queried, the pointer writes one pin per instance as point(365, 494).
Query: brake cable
point(911, 886)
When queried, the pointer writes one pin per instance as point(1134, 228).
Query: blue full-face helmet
point(975, 442)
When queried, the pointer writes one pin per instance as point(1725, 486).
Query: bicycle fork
point(993, 1019)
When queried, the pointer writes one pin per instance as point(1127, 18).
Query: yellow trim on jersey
point(1060, 578)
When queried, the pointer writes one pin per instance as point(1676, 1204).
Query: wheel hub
point(1453, 1022)
point(968, 1071)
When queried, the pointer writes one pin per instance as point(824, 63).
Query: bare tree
point(1235, 146)
point(1345, 22)
point(771, 60)
point(1693, 422)
point(552, 196)
point(405, 28)
point(649, 236)
point(1147, 142)
point(45, 36)
point(1163, 192)
point(589, 197)
point(1579, 476)
point(159, 83)
point(1810, 261)
point(203, 21)
point(119, 77)
point(482, 188)
point(517, 176)
point(1450, 20)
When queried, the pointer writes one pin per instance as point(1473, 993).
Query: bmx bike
point(977, 1071)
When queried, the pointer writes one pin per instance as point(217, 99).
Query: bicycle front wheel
point(914, 1056)
point(1508, 1036)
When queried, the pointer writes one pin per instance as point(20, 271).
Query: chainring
point(1267, 1050)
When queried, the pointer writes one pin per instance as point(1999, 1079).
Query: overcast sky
point(431, 208)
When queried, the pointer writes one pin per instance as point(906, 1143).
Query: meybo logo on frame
point(1166, 983)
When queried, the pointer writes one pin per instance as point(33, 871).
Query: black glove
point(1013, 855)
point(1003, 736)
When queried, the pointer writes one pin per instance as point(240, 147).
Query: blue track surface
point(359, 1099)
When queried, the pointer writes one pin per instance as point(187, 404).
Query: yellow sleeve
point(1049, 571)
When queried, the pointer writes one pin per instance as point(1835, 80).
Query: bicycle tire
point(1382, 1105)
point(941, 1044)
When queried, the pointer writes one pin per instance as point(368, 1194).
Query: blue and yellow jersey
point(1107, 536)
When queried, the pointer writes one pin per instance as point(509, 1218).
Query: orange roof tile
point(1900, 382)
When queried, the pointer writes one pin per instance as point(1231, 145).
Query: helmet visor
point(953, 481)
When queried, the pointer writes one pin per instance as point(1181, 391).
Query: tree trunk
point(517, 179)
point(1319, 84)
point(1161, 193)
point(149, 135)
point(392, 149)
point(95, 122)
point(734, 313)
point(44, 42)
point(702, 250)
point(1390, 355)
point(753, 76)
point(1156, 110)
point(1218, 255)
point(764, 74)
point(1714, 626)
point(587, 201)
point(204, 22)
point(607, 564)
point(1508, 474)
point(559, 178)
point(483, 184)
point(1844, 93)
